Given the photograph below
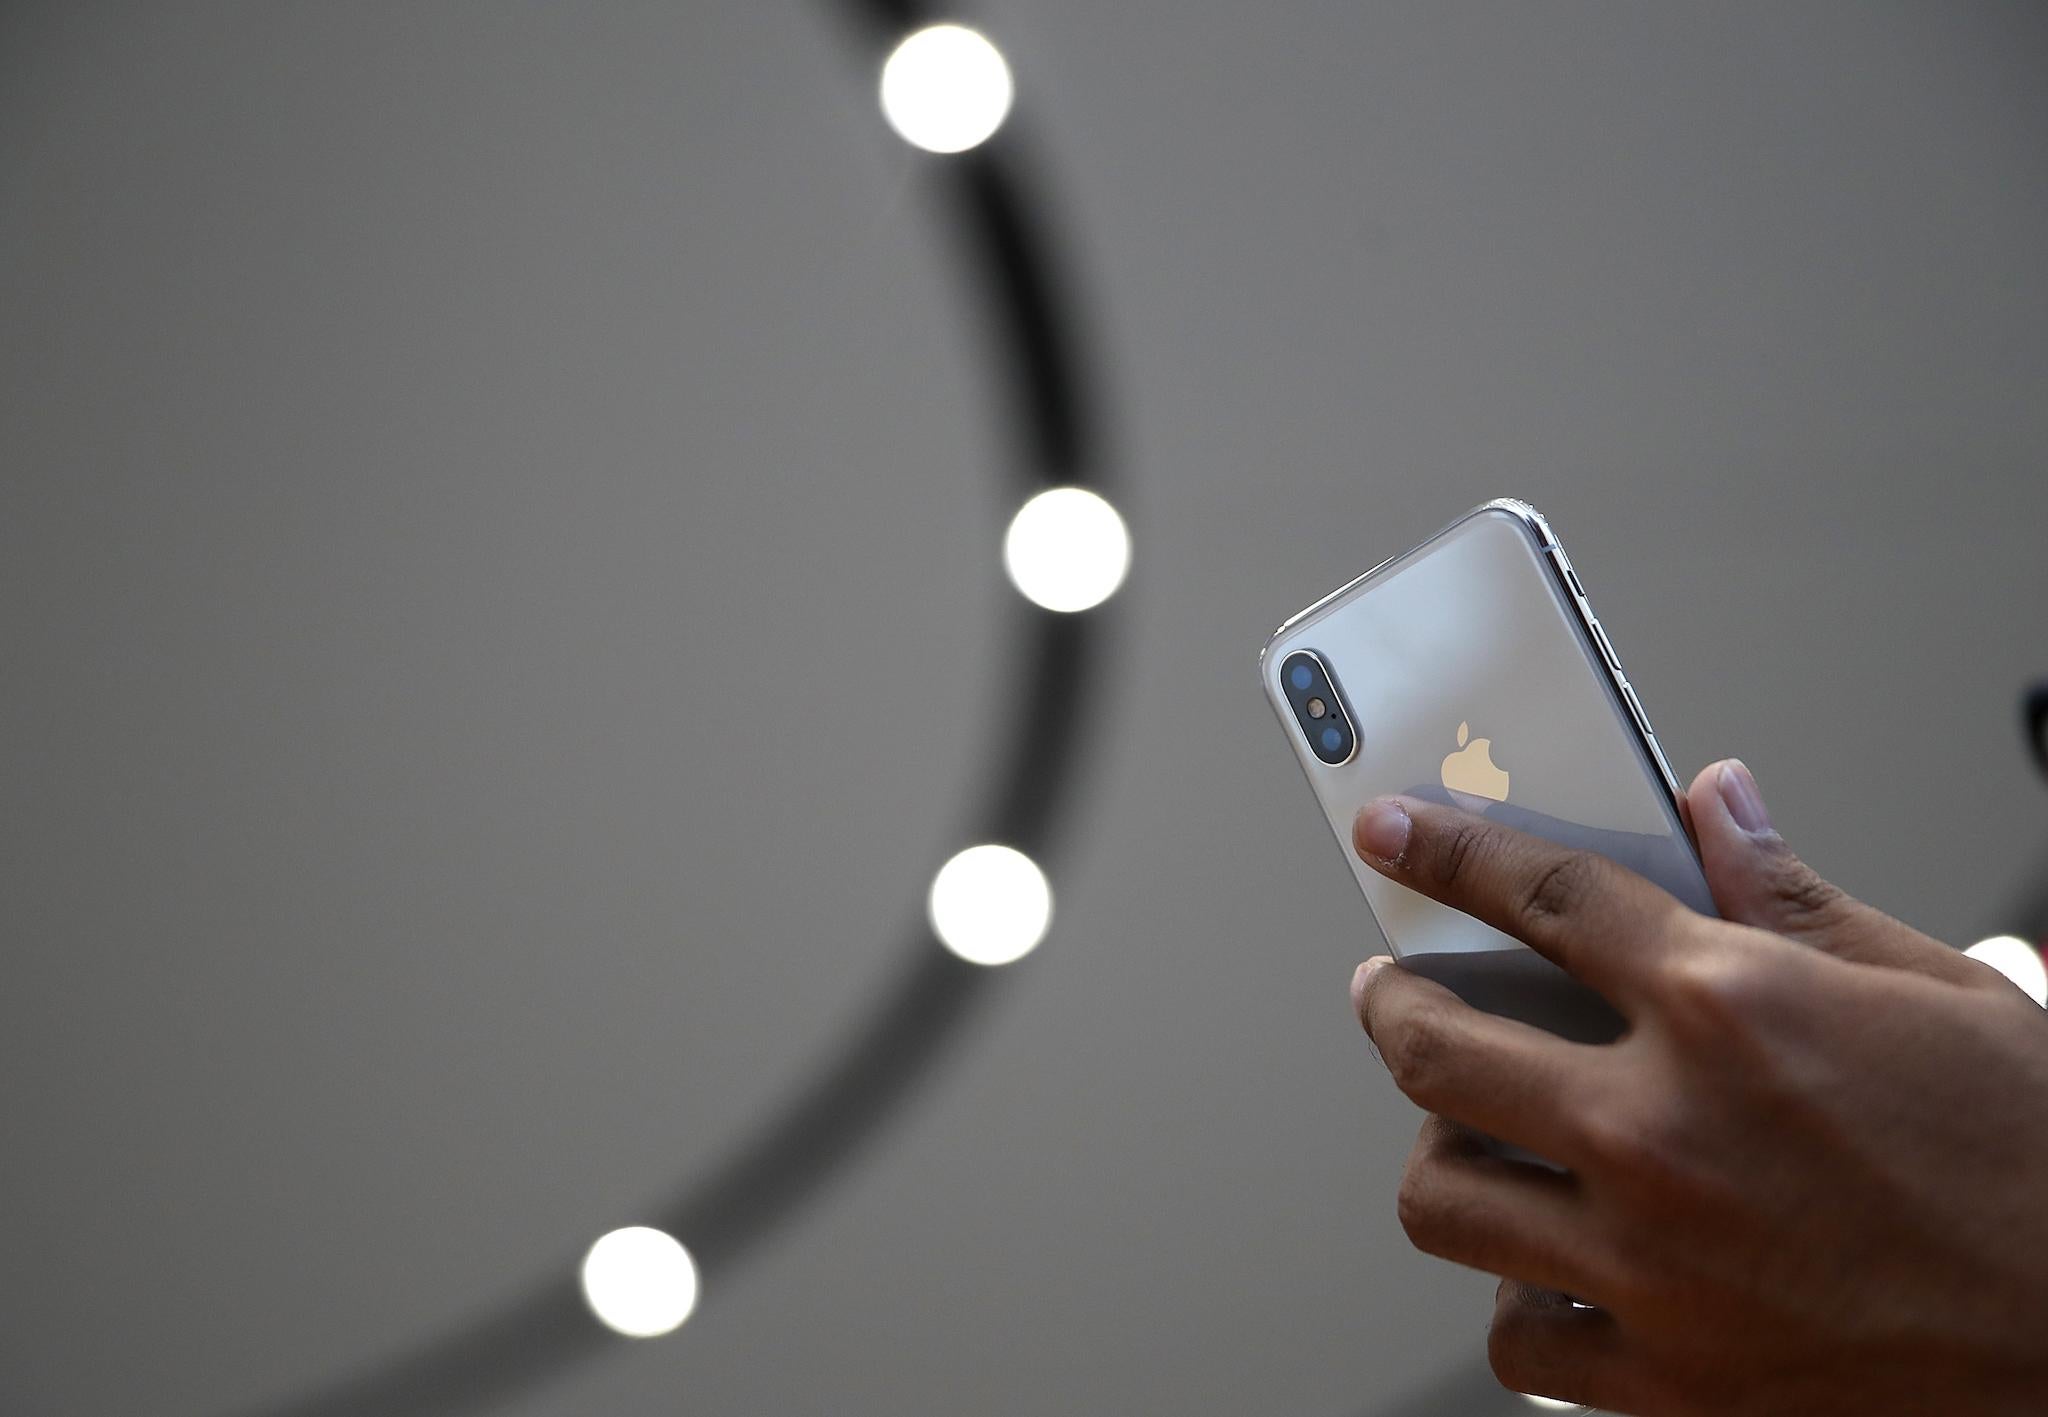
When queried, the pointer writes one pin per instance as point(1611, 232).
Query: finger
point(1502, 1077)
point(1604, 924)
point(1757, 880)
point(1540, 1343)
point(1460, 1202)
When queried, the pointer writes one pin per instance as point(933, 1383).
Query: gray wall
point(497, 527)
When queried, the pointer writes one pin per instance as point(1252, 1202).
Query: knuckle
point(1419, 1199)
point(1464, 844)
point(1610, 1137)
point(1621, 1135)
point(1560, 889)
point(1414, 1051)
point(1645, 1153)
point(1432, 1216)
point(1716, 992)
point(1806, 901)
point(1511, 1343)
point(1414, 1207)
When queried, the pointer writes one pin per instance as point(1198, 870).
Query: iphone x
point(1472, 671)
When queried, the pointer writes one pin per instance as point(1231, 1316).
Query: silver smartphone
point(1471, 670)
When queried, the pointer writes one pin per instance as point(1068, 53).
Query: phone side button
point(1635, 706)
point(1564, 566)
point(1606, 647)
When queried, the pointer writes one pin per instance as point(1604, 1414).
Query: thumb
point(1758, 880)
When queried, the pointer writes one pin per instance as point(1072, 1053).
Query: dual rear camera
point(1312, 694)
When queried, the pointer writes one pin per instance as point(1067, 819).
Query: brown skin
point(1811, 1178)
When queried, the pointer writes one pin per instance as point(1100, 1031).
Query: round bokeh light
point(946, 89)
point(990, 904)
point(1067, 549)
point(639, 1281)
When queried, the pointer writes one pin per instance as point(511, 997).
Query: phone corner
point(1523, 512)
point(1266, 653)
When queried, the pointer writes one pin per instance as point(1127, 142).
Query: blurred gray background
point(498, 523)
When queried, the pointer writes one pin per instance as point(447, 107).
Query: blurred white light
point(2016, 960)
point(639, 1281)
point(990, 904)
point(946, 89)
point(1067, 549)
point(1550, 1403)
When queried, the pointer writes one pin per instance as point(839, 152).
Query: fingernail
point(1360, 978)
point(1381, 831)
point(1365, 972)
point(1744, 802)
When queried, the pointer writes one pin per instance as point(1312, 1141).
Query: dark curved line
point(1058, 670)
point(889, 19)
point(539, 1335)
point(545, 1330)
point(769, 1180)
point(2028, 915)
point(2034, 715)
point(1007, 240)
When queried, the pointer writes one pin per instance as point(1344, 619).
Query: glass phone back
point(1470, 676)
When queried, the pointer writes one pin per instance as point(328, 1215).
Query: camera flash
point(1317, 708)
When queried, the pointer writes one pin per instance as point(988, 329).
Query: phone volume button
point(1606, 646)
point(1564, 565)
point(1635, 706)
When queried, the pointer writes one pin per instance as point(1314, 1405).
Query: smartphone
point(1472, 670)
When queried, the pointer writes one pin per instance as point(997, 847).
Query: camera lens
point(1310, 688)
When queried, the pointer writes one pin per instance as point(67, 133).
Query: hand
point(1811, 1177)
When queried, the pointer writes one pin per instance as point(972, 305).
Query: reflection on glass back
point(1474, 633)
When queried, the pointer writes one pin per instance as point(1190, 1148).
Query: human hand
point(1808, 1179)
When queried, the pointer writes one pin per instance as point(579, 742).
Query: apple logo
point(1470, 774)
